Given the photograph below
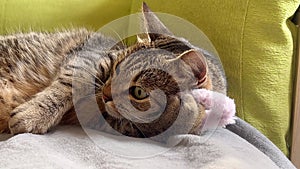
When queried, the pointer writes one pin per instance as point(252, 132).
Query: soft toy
point(220, 109)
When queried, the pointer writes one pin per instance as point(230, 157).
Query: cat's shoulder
point(47, 36)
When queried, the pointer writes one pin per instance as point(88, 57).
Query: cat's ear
point(152, 25)
point(197, 63)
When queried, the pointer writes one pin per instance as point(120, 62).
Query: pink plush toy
point(219, 108)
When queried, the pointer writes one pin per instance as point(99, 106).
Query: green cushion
point(16, 15)
point(254, 40)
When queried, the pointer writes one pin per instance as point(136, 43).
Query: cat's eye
point(138, 92)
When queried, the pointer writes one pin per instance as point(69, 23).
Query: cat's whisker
point(141, 131)
point(81, 80)
point(121, 40)
point(86, 96)
point(140, 119)
point(90, 95)
point(121, 122)
point(93, 74)
point(131, 127)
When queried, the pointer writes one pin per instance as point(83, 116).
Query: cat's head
point(147, 82)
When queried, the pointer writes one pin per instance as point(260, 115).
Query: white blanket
point(70, 147)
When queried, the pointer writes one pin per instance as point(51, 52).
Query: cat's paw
point(27, 120)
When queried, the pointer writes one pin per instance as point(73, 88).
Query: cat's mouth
point(112, 110)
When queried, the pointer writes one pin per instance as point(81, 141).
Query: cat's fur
point(37, 70)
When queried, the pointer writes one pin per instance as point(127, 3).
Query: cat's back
point(35, 58)
point(29, 62)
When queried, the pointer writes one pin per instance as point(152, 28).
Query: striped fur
point(36, 71)
point(45, 77)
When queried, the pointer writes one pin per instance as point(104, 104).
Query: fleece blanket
point(242, 146)
point(71, 147)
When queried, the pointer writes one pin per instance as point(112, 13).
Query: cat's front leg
point(42, 112)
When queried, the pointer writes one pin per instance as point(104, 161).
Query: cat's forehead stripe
point(172, 45)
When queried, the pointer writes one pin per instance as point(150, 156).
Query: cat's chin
point(111, 110)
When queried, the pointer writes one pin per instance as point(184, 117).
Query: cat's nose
point(106, 98)
point(106, 93)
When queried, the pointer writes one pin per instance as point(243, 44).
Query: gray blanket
point(70, 147)
point(254, 137)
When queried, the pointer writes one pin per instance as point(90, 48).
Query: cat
point(37, 79)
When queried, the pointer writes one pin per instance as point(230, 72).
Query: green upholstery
point(253, 38)
point(255, 42)
point(48, 15)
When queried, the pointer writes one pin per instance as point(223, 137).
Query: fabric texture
point(255, 43)
point(70, 147)
point(254, 39)
point(44, 15)
point(261, 142)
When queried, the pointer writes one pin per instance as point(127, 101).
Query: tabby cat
point(37, 79)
